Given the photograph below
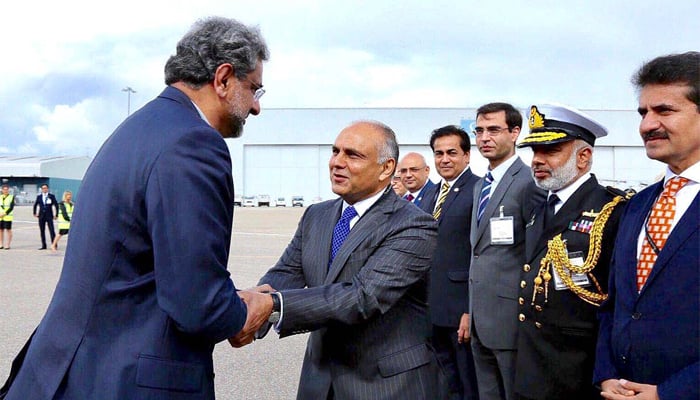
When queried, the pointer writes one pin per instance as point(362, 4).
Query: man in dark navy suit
point(44, 210)
point(450, 202)
point(649, 344)
point(139, 306)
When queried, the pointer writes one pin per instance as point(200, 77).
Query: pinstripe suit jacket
point(367, 312)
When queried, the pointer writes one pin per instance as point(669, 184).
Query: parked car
point(263, 200)
point(297, 201)
point(237, 200)
point(281, 202)
point(249, 201)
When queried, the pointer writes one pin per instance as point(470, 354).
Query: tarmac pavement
point(268, 369)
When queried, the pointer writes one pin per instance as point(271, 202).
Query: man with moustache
point(414, 174)
point(568, 248)
point(450, 203)
point(649, 344)
point(359, 287)
point(139, 305)
point(503, 202)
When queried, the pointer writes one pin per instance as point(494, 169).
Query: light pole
point(128, 91)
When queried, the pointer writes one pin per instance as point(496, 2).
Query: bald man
point(414, 173)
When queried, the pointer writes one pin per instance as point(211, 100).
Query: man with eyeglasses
point(145, 293)
point(414, 172)
point(503, 202)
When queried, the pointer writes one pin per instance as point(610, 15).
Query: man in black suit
point(451, 202)
point(44, 210)
point(568, 245)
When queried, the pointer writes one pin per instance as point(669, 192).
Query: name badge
point(501, 230)
point(576, 259)
point(48, 201)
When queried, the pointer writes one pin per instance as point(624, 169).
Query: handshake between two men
point(259, 302)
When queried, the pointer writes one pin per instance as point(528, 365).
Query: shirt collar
point(691, 173)
point(500, 171)
point(362, 206)
point(201, 114)
point(452, 182)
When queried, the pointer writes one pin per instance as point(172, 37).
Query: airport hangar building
point(284, 152)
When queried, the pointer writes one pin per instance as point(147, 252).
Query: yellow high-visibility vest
point(5, 203)
point(62, 222)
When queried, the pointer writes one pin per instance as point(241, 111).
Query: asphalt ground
point(268, 369)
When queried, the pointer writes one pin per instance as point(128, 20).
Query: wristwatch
point(276, 308)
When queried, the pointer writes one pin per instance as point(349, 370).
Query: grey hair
point(211, 42)
point(580, 145)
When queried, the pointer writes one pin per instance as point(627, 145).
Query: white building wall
point(285, 152)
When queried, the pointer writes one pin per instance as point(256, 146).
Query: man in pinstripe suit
point(366, 307)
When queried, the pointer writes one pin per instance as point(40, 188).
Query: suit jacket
point(449, 275)
point(421, 194)
point(556, 337)
point(495, 269)
point(46, 210)
point(367, 313)
point(653, 336)
point(139, 305)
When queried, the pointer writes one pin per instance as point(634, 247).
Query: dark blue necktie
point(484, 196)
point(341, 231)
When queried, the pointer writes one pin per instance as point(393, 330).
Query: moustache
point(657, 134)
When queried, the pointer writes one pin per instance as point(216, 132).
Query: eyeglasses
point(491, 131)
point(257, 90)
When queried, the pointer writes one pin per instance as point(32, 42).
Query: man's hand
point(463, 331)
point(259, 310)
point(262, 289)
point(622, 389)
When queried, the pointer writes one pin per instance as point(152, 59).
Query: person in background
point(7, 206)
point(397, 186)
point(65, 213)
point(568, 244)
point(649, 343)
point(44, 210)
point(414, 174)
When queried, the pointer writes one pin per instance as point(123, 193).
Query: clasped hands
point(259, 304)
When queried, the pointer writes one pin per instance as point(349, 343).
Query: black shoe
point(42, 248)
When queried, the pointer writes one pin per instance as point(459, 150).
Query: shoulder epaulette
point(626, 195)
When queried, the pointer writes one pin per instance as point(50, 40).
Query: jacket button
point(538, 307)
point(637, 315)
point(521, 317)
point(623, 359)
point(521, 301)
point(523, 284)
point(526, 267)
point(538, 325)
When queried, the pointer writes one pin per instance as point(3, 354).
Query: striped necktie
point(484, 196)
point(657, 228)
point(444, 190)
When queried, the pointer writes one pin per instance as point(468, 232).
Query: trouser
point(458, 380)
point(43, 221)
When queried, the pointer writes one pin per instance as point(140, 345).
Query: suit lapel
point(686, 226)
point(496, 197)
point(456, 190)
point(419, 200)
point(372, 220)
point(324, 236)
point(568, 212)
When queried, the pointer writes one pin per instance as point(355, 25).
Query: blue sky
point(65, 63)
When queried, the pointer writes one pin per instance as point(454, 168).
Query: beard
point(237, 116)
point(559, 178)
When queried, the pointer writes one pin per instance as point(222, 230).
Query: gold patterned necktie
point(657, 228)
point(444, 190)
